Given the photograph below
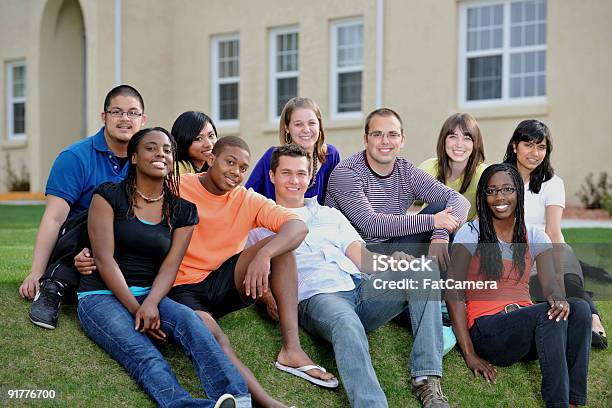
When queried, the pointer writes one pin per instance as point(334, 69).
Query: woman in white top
point(529, 150)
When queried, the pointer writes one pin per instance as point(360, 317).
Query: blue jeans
point(108, 323)
point(344, 318)
point(562, 348)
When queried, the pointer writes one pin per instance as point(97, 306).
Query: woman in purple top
point(300, 123)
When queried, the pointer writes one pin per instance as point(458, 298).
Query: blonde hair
point(296, 103)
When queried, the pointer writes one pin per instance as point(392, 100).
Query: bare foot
point(298, 358)
point(597, 326)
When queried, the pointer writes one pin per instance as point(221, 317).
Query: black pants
point(71, 240)
point(574, 287)
point(562, 348)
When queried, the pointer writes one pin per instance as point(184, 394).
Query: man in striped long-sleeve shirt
point(374, 189)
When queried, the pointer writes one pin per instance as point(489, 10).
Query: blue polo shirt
point(80, 168)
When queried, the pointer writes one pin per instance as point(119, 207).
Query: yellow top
point(186, 167)
point(431, 167)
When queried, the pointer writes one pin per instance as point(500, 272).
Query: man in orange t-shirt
point(217, 277)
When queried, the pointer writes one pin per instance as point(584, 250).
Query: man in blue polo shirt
point(75, 174)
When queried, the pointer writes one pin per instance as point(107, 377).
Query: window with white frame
point(284, 68)
point(225, 79)
point(16, 100)
point(346, 67)
point(502, 51)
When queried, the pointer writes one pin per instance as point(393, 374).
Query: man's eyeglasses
point(492, 191)
point(118, 113)
point(390, 135)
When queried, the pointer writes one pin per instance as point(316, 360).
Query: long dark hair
point(532, 130)
point(469, 127)
point(171, 181)
point(186, 128)
point(490, 255)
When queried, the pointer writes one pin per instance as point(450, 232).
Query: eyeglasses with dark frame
point(492, 191)
point(118, 113)
point(392, 135)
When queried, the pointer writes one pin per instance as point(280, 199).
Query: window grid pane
point(350, 45)
point(484, 78)
point(527, 74)
point(287, 52)
point(19, 118)
point(286, 88)
point(349, 92)
point(19, 81)
point(228, 101)
point(485, 27)
point(229, 59)
point(528, 23)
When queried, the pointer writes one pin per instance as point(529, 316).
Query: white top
point(322, 264)
point(552, 192)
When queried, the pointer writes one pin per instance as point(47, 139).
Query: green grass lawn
point(81, 374)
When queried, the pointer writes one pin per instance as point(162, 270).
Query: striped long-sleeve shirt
point(376, 205)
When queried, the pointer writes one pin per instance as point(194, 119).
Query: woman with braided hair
point(300, 123)
point(499, 325)
point(139, 230)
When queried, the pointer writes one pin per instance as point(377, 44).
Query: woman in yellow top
point(460, 157)
point(195, 135)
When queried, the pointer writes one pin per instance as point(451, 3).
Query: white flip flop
point(301, 372)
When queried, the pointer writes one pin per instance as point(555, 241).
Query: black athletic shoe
point(45, 308)
point(226, 401)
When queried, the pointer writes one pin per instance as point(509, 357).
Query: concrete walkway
point(22, 202)
point(570, 223)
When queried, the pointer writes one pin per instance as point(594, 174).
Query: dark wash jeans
point(562, 348)
point(108, 323)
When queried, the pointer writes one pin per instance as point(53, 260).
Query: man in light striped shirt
point(340, 303)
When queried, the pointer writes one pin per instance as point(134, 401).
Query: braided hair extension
point(171, 203)
point(490, 255)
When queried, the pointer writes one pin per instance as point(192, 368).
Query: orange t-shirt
point(511, 288)
point(225, 222)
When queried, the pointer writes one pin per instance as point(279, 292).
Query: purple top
point(259, 180)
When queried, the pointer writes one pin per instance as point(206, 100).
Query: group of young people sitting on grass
point(155, 256)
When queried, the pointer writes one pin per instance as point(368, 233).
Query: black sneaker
point(429, 392)
point(226, 401)
point(45, 308)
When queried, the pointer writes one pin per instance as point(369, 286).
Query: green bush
point(592, 194)
point(607, 203)
point(14, 181)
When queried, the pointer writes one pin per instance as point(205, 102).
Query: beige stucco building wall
point(166, 54)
